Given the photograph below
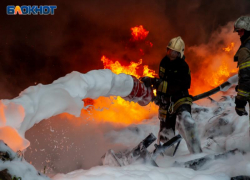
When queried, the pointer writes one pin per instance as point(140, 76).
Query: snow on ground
point(219, 127)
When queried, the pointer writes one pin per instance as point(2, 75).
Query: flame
point(148, 72)
point(139, 33)
point(155, 92)
point(220, 75)
point(116, 109)
point(131, 69)
point(215, 68)
point(229, 48)
point(224, 71)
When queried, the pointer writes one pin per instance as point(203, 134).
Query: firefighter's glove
point(156, 83)
point(240, 107)
point(147, 81)
point(157, 100)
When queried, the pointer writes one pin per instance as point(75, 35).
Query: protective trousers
point(185, 124)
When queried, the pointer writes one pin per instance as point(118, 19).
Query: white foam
point(63, 95)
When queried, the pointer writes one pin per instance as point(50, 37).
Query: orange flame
point(224, 71)
point(148, 72)
point(214, 70)
point(131, 69)
point(139, 33)
point(215, 67)
point(116, 109)
point(218, 77)
point(229, 48)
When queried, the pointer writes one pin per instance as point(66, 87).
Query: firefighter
point(173, 97)
point(242, 27)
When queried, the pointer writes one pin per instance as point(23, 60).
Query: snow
point(219, 127)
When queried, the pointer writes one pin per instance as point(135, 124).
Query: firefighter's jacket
point(176, 79)
point(243, 58)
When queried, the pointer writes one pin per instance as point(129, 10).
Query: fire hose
point(143, 95)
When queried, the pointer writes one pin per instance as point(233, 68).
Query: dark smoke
point(40, 49)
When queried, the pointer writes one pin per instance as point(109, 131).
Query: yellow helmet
point(177, 44)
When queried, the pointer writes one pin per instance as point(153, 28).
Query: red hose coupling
point(140, 93)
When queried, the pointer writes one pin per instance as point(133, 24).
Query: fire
point(218, 77)
point(224, 71)
point(148, 72)
point(116, 109)
point(122, 111)
point(155, 92)
point(229, 48)
point(139, 33)
point(117, 68)
point(215, 67)
point(131, 69)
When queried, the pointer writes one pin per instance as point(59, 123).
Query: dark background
point(40, 49)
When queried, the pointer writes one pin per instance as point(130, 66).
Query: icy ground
point(219, 126)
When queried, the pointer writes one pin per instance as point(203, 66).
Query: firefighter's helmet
point(242, 23)
point(177, 44)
